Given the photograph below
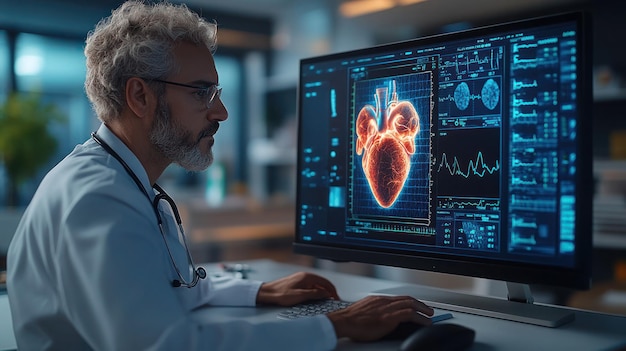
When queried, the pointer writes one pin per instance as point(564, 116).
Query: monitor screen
point(466, 153)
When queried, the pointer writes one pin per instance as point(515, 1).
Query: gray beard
point(176, 144)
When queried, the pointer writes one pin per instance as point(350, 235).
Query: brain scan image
point(490, 94)
point(462, 96)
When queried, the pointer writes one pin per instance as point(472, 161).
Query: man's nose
point(218, 111)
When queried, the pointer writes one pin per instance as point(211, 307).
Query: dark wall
point(609, 53)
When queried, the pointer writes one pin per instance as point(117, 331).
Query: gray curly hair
point(137, 40)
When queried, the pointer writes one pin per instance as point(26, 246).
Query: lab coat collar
point(127, 155)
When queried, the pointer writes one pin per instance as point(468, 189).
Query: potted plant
point(25, 142)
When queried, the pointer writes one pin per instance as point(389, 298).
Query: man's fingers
point(330, 290)
point(317, 294)
point(401, 302)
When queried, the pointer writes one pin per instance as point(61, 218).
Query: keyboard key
point(313, 308)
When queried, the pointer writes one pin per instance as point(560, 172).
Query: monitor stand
point(519, 306)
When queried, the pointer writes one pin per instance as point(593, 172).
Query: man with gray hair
point(96, 262)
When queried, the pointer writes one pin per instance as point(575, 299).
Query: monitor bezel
point(578, 276)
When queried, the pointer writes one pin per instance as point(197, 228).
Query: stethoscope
point(198, 273)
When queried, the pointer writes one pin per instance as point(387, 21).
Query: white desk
point(589, 331)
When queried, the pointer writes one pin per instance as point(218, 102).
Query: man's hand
point(296, 288)
point(373, 317)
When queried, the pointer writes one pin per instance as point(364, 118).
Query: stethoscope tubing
point(198, 273)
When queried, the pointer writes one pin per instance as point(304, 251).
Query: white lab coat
point(88, 269)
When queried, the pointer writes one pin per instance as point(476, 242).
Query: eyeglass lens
point(215, 91)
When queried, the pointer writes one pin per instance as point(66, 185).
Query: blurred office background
point(243, 206)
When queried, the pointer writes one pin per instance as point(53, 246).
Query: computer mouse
point(406, 329)
point(440, 337)
point(403, 331)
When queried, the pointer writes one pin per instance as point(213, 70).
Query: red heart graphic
point(386, 138)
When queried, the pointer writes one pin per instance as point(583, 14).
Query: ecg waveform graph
point(474, 168)
point(469, 203)
point(471, 62)
point(544, 53)
point(469, 163)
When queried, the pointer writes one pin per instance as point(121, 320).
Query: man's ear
point(140, 97)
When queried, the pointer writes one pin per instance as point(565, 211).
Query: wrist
point(338, 324)
point(266, 295)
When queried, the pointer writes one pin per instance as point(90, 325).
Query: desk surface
point(589, 331)
point(7, 340)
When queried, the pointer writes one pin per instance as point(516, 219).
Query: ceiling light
point(356, 8)
point(409, 2)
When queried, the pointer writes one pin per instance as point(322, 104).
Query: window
point(49, 65)
point(55, 68)
point(4, 87)
point(4, 64)
point(225, 149)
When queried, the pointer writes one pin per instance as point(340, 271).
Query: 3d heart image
point(386, 139)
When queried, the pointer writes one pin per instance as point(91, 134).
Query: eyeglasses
point(209, 93)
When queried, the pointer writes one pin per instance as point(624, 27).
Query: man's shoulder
point(84, 168)
point(84, 183)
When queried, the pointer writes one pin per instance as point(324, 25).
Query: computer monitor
point(466, 153)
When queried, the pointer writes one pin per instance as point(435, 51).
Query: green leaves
point(25, 142)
